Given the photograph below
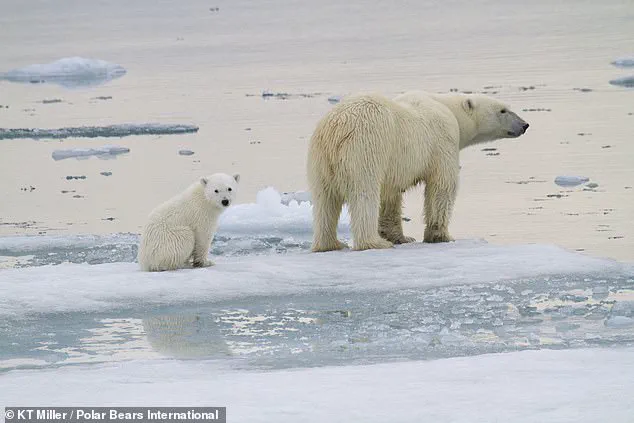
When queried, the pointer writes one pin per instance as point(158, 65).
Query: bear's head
point(220, 188)
point(492, 119)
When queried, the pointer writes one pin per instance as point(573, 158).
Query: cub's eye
point(503, 111)
point(216, 191)
point(228, 189)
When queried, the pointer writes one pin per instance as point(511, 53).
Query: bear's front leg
point(390, 220)
point(201, 248)
point(440, 195)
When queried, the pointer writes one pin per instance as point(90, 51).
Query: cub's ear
point(236, 177)
point(203, 181)
point(468, 104)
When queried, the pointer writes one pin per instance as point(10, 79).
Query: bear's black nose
point(525, 127)
point(225, 203)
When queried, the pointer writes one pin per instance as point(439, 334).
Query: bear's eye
point(228, 189)
point(503, 111)
point(216, 191)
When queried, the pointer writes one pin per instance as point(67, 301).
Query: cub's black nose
point(525, 127)
point(225, 203)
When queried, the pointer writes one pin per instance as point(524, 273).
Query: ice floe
point(570, 181)
point(119, 130)
point(69, 72)
point(580, 386)
point(625, 81)
point(624, 62)
point(83, 287)
point(103, 152)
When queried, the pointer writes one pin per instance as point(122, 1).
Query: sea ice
point(580, 386)
point(624, 62)
point(119, 130)
point(626, 81)
point(619, 322)
point(106, 151)
point(570, 181)
point(69, 72)
point(90, 287)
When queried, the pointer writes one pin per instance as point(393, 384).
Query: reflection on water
point(328, 328)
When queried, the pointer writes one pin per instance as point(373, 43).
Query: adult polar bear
point(369, 149)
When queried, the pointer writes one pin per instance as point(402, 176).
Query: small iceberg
point(103, 152)
point(121, 130)
point(623, 62)
point(185, 152)
point(334, 99)
point(626, 81)
point(69, 72)
point(570, 181)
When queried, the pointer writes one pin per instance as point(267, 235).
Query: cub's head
point(493, 119)
point(220, 189)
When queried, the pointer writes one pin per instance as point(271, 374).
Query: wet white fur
point(179, 232)
point(369, 149)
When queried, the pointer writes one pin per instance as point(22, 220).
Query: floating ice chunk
point(120, 130)
point(106, 150)
point(299, 196)
point(185, 152)
point(623, 308)
point(334, 99)
point(69, 72)
point(626, 81)
point(600, 292)
point(624, 62)
point(619, 322)
point(570, 181)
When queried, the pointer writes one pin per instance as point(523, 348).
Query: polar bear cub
point(179, 232)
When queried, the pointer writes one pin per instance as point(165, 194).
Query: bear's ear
point(203, 181)
point(236, 177)
point(468, 104)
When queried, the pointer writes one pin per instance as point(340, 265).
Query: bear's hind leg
point(390, 221)
point(326, 211)
point(173, 249)
point(364, 207)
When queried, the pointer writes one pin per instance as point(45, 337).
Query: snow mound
point(298, 196)
point(83, 287)
point(289, 214)
point(120, 130)
point(103, 152)
point(69, 72)
point(580, 386)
